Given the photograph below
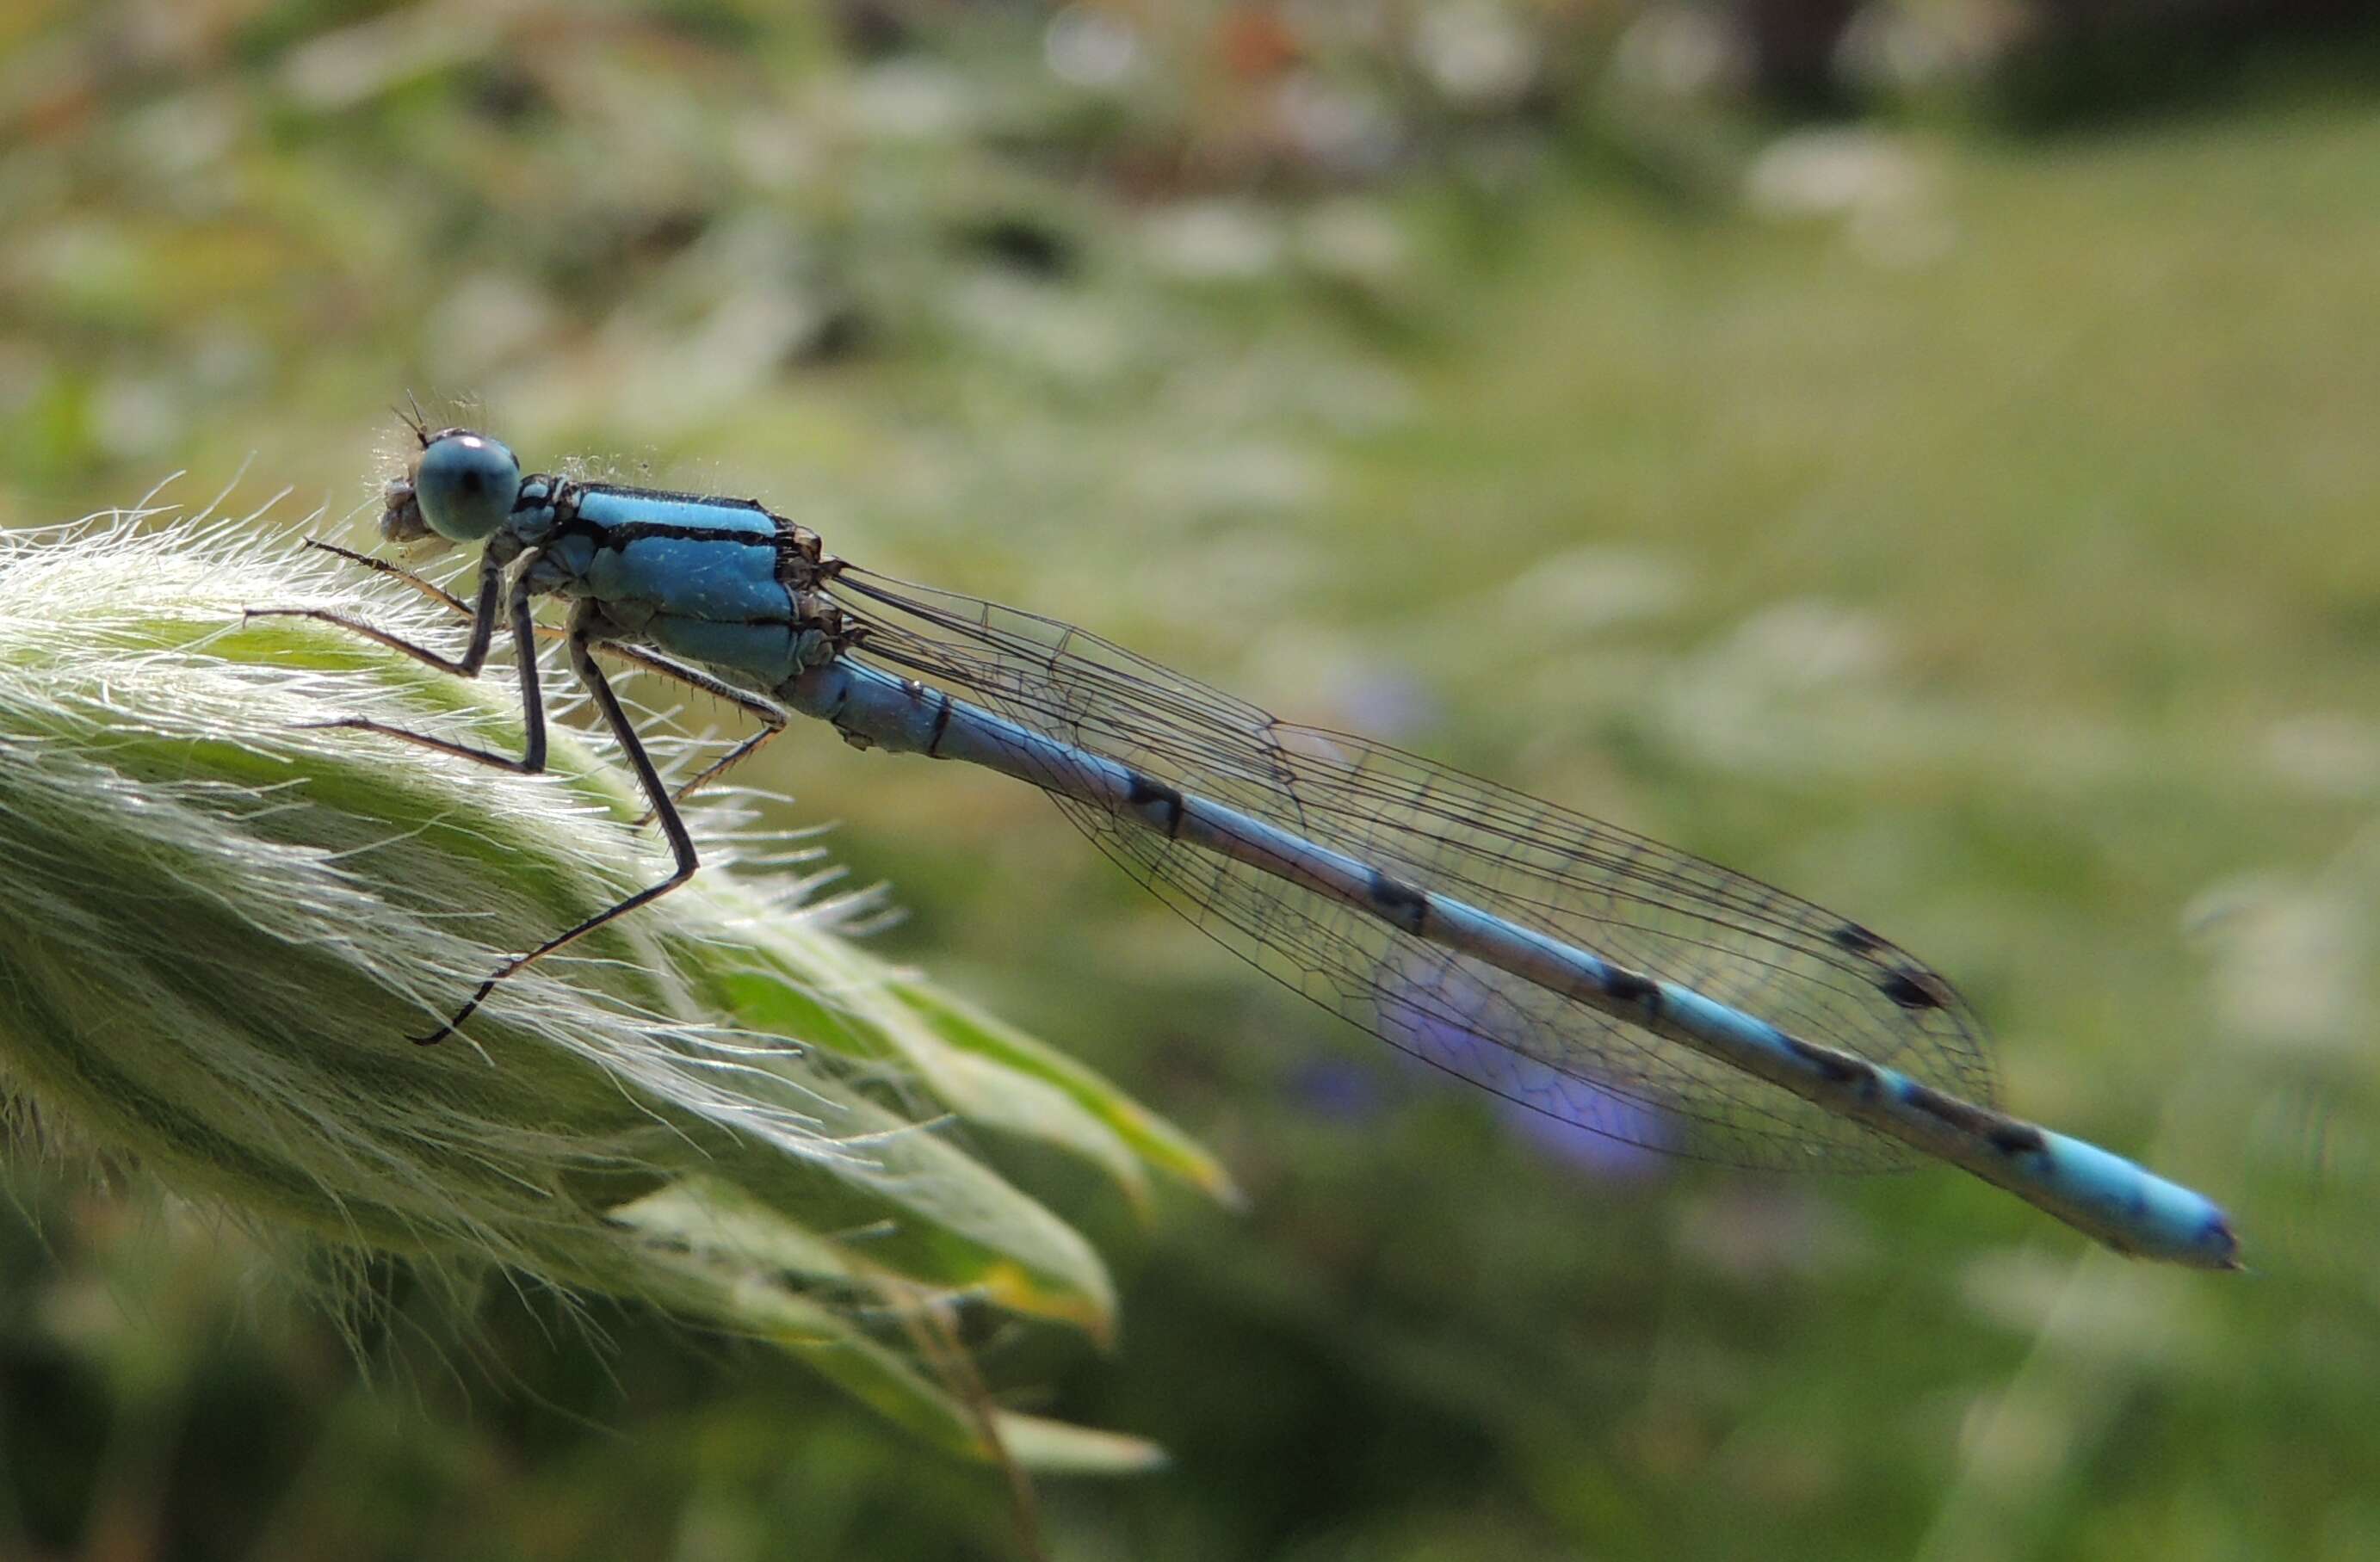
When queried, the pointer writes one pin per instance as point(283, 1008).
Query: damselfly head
point(460, 488)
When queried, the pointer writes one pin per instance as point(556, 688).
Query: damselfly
point(1575, 968)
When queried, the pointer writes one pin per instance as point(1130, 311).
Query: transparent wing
point(1628, 899)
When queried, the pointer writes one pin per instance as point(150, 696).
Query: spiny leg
point(429, 588)
point(772, 717)
point(656, 792)
point(483, 622)
point(524, 628)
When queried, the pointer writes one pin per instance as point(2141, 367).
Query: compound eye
point(466, 485)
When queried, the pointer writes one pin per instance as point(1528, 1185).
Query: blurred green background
point(1924, 454)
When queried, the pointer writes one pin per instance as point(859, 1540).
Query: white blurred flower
point(1092, 47)
point(1475, 52)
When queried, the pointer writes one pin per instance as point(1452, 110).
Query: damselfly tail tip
point(2224, 1244)
point(2210, 1244)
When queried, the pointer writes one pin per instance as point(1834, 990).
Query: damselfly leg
point(771, 716)
point(578, 638)
point(475, 656)
point(681, 852)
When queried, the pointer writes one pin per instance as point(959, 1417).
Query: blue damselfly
point(1573, 967)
